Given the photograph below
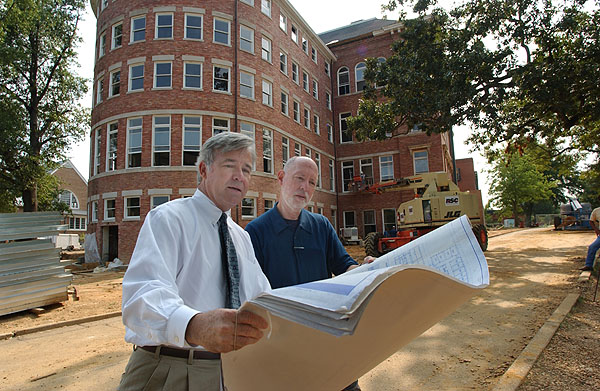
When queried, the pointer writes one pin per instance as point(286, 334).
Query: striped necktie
point(230, 265)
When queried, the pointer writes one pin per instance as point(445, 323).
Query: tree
point(39, 114)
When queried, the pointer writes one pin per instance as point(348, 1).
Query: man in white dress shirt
point(175, 287)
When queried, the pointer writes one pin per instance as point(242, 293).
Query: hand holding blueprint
point(372, 310)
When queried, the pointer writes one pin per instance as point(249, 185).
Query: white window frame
point(154, 146)
point(318, 161)
point(249, 2)
point(328, 100)
point(192, 75)
point(137, 129)
point(97, 152)
point(126, 208)
point(266, 49)
point(296, 111)
point(283, 22)
point(106, 209)
point(313, 54)
point(305, 82)
point(420, 158)
point(227, 33)
point(285, 103)
point(201, 28)
point(267, 139)
point(111, 155)
point(383, 223)
point(252, 207)
point(189, 126)
point(283, 62)
point(368, 162)
point(132, 78)
point(329, 132)
point(285, 150)
point(346, 165)
point(315, 89)
point(102, 45)
point(249, 129)
point(362, 67)
point(162, 75)
point(247, 84)
point(342, 118)
point(304, 45)
point(265, 7)
point(331, 176)
point(384, 162)
point(248, 40)
point(353, 218)
point(267, 93)
point(158, 27)
point(133, 31)
point(115, 84)
point(156, 196)
point(228, 79)
point(295, 75)
point(306, 117)
point(99, 90)
point(94, 211)
point(294, 34)
point(345, 70)
point(115, 36)
point(316, 123)
point(220, 128)
point(328, 68)
point(297, 149)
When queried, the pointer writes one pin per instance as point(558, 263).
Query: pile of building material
point(31, 271)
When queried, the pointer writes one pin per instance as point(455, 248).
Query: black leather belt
point(182, 353)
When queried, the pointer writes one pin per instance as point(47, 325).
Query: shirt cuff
point(177, 325)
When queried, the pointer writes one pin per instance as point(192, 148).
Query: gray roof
point(355, 29)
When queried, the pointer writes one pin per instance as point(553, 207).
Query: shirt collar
point(279, 223)
point(211, 211)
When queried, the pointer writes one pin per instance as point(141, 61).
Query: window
point(267, 151)
point(285, 150)
point(97, 152)
point(249, 2)
point(421, 161)
point(305, 45)
point(369, 222)
point(349, 219)
point(295, 73)
point(77, 223)
point(162, 75)
point(265, 7)
point(100, 91)
point(331, 176)
point(248, 129)
point(109, 209)
point(345, 134)
point(315, 89)
point(164, 26)
point(380, 64)
point(389, 219)
point(296, 149)
point(104, 4)
point(386, 167)
point(94, 211)
point(115, 83)
point(266, 49)
point(307, 118)
point(297, 111)
point(136, 77)
point(316, 124)
point(359, 72)
point(267, 93)
point(284, 103)
point(246, 85)
point(269, 204)
point(134, 142)
point(102, 45)
point(248, 208)
point(220, 125)
point(305, 81)
point(162, 141)
point(313, 54)
point(193, 26)
point(111, 146)
point(366, 170)
point(192, 75)
point(221, 31)
point(318, 161)
point(327, 69)
point(329, 132)
point(343, 81)
point(132, 208)
point(246, 39)
point(192, 139)
point(347, 175)
point(307, 152)
point(294, 34)
point(117, 36)
point(283, 63)
point(159, 200)
point(328, 100)
point(220, 78)
point(69, 199)
point(283, 22)
point(138, 29)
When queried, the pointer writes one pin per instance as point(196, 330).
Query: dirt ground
point(531, 272)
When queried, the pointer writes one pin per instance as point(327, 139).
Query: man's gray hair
point(293, 161)
point(223, 143)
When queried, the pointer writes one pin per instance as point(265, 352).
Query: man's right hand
point(217, 331)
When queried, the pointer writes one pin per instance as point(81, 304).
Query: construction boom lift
point(437, 201)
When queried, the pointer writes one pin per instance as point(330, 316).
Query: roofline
point(64, 163)
point(387, 29)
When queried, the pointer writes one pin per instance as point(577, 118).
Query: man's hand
point(369, 259)
point(223, 330)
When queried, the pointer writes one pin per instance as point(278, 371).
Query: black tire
point(371, 244)
point(482, 236)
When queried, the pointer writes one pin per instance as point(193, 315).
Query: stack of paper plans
point(325, 334)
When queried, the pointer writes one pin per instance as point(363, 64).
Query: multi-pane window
point(104, 5)
point(307, 152)
point(347, 174)
point(386, 167)
point(267, 151)
point(162, 140)
point(102, 45)
point(246, 39)
point(220, 125)
point(307, 118)
point(296, 149)
point(284, 103)
point(297, 111)
point(132, 208)
point(117, 36)
point(221, 78)
point(269, 204)
point(162, 75)
point(100, 91)
point(68, 198)
point(248, 129)
point(329, 133)
point(221, 31)
point(267, 93)
point(294, 34)
point(111, 146)
point(345, 133)
point(316, 124)
point(192, 139)
point(266, 49)
point(359, 73)
point(248, 208)
point(328, 100)
point(389, 219)
point(134, 142)
point(109, 209)
point(283, 63)
point(295, 73)
point(305, 81)
point(136, 77)
point(343, 81)
point(331, 176)
point(421, 161)
point(94, 208)
point(115, 83)
point(283, 22)
point(246, 85)
point(315, 89)
point(305, 45)
point(327, 68)
point(249, 2)
point(369, 221)
point(285, 150)
point(192, 75)
point(164, 26)
point(193, 26)
point(97, 152)
point(349, 219)
point(318, 161)
point(265, 7)
point(313, 54)
point(366, 171)
point(138, 29)
point(159, 200)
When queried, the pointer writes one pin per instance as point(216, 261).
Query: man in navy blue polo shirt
point(292, 245)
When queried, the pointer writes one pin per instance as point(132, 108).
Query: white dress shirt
point(175, 271)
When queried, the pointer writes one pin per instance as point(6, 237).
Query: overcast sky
point(321, 15)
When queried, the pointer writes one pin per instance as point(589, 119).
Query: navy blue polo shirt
point(288, 256)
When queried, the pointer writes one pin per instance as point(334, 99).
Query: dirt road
point(531, 272)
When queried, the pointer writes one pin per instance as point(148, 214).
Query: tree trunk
point(30, 200)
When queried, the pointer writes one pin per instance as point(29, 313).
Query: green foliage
point(39, 114)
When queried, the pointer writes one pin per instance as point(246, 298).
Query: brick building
point(74, 192)
point(169, 75)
